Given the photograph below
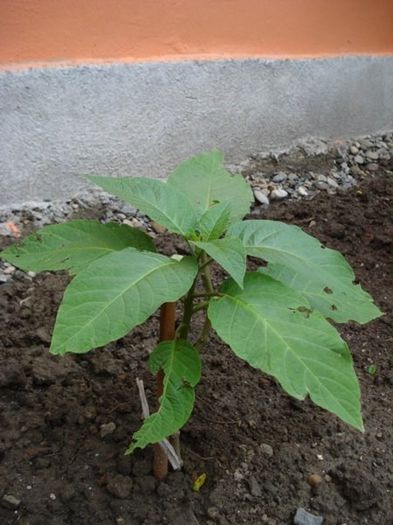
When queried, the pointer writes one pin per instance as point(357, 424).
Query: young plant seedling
point(276, 318)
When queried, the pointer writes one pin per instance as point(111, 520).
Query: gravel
point(301, 172)
point(336, 167)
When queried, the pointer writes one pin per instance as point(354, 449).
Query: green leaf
point(116, 293)
point(73, 245)
point(215, 221)
point(181, 365)
point(162, 203)
point(206, 182)
point(300, 261)
point(229, 253)
point(274, 329)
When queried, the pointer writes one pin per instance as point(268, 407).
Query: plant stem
point(188, 311)
point(206, 275)
point(200, 306)
point(205, 263)
point(204, 334)
point(206, 294)
point(210, 293)
point(167, 333)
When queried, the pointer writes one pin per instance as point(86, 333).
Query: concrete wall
point(141, 119)
point(134, 86)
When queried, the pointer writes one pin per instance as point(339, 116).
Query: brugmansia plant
point(276, 318)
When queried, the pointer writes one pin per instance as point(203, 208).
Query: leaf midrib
point(256, 314)
point(120, 295)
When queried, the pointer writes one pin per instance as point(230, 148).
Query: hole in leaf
point(327, 290)
point(304, 310)
point(323, 247)
point(333, 307)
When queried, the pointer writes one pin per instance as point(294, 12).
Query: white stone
point(261, 197)
point(9, 269)
point(279, 194)
point(302, 191)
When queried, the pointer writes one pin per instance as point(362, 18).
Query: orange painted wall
point(88, 30)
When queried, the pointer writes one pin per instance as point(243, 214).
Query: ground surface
point(256, 445)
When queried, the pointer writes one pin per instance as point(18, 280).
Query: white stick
point(173, 458)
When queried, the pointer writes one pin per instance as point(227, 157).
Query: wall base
point(58, 123)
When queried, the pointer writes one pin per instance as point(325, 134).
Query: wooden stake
point(167, 333)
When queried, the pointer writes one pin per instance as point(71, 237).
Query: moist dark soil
point(65, 422)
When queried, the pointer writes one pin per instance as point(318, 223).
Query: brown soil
point(53, 458)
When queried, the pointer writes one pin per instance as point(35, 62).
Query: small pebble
point(292, 177)
point(280, 177)
point(52, 496)
point(10, 502)
point(157, 227)
point(266, 449)
point(261, 197)
point(373, 155)
point(354, 150)
point(255, 488)
point(9, 270)
point(107, 428)
point(302, 517)
point(279, 194)
point(314, 480)
point(359, 159)
point(332, 182)
point(302, 191)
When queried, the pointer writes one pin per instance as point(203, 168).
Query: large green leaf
point(161, 202)
point(273, 328)
point(229, 253)
point(205, 181)
point(73, 245)
point(116, 293)
point(215, 221)
point(181, 365)
point(321, 274)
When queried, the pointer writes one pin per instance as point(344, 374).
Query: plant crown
point(275, 318)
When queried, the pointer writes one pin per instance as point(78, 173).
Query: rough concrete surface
point(57, 123)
